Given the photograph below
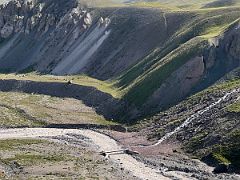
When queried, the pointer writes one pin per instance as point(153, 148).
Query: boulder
point(221, 168)
point(232, 168)
point(88, 19)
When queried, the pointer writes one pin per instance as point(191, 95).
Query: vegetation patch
point(220, 158)
point(231, 148)
point(15, 143)
point(191, 40)
point(29, 157)
point(226, 152)
point(221, 87)
point(195, 142)
point(33, 159)
point(83, 80)
point(36, 110)
point(146, 85)
point(16, 117)
point(235, 107)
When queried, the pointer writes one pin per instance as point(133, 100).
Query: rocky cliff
point(66, 37)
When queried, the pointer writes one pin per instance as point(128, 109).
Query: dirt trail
point(165, 20)
point(103, 142)
point(196, 115)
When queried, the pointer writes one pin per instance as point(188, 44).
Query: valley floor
point(90, 138)
point(53, 153)
point(38, 152)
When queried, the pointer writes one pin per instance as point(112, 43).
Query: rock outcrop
point(101, 42)
point(178, 85)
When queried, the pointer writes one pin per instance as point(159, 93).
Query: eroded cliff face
point(27, 16)
point(230, 43)
point(221, 57)
point(66, 37)
point(178, 85)
point(30, 29)
point(218, 59)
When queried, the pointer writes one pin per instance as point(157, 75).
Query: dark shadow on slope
point(220, 3)
point(103, 103)
point(118, 128)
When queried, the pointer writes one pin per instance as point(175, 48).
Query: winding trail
point(196, 115)
point(103, 142)
point(165, 20)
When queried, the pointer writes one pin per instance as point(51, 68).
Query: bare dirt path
point(103, 142)
point(196, 115)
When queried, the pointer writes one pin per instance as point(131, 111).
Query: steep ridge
point(198, 62)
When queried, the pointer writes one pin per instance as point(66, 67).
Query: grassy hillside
point(216, 132)
point(19, 109)
point(139, 82)
point(103, 86)
point(188, 35)
point(177, 5)
point(186, 5)
point(35, 110)
point(179, 31)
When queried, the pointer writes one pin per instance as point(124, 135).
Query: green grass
point(146, 85)
point(220, 158)
point(27, 158)
point(33, 159)
point(189, 5)
point(139, 82)
point(83, 80)
point(35, 110)
point(229, 150)
point(32, 111)
point(15, 117)
point(169, 7)
point(162, 4)
point(235, 107)
point(7, 145)
point(196, 142)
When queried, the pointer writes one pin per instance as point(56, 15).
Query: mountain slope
point(145, 52)
point(212, 130)
point(105, 34)
point(185, 4)
point(168, 68)
point(204, 43)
